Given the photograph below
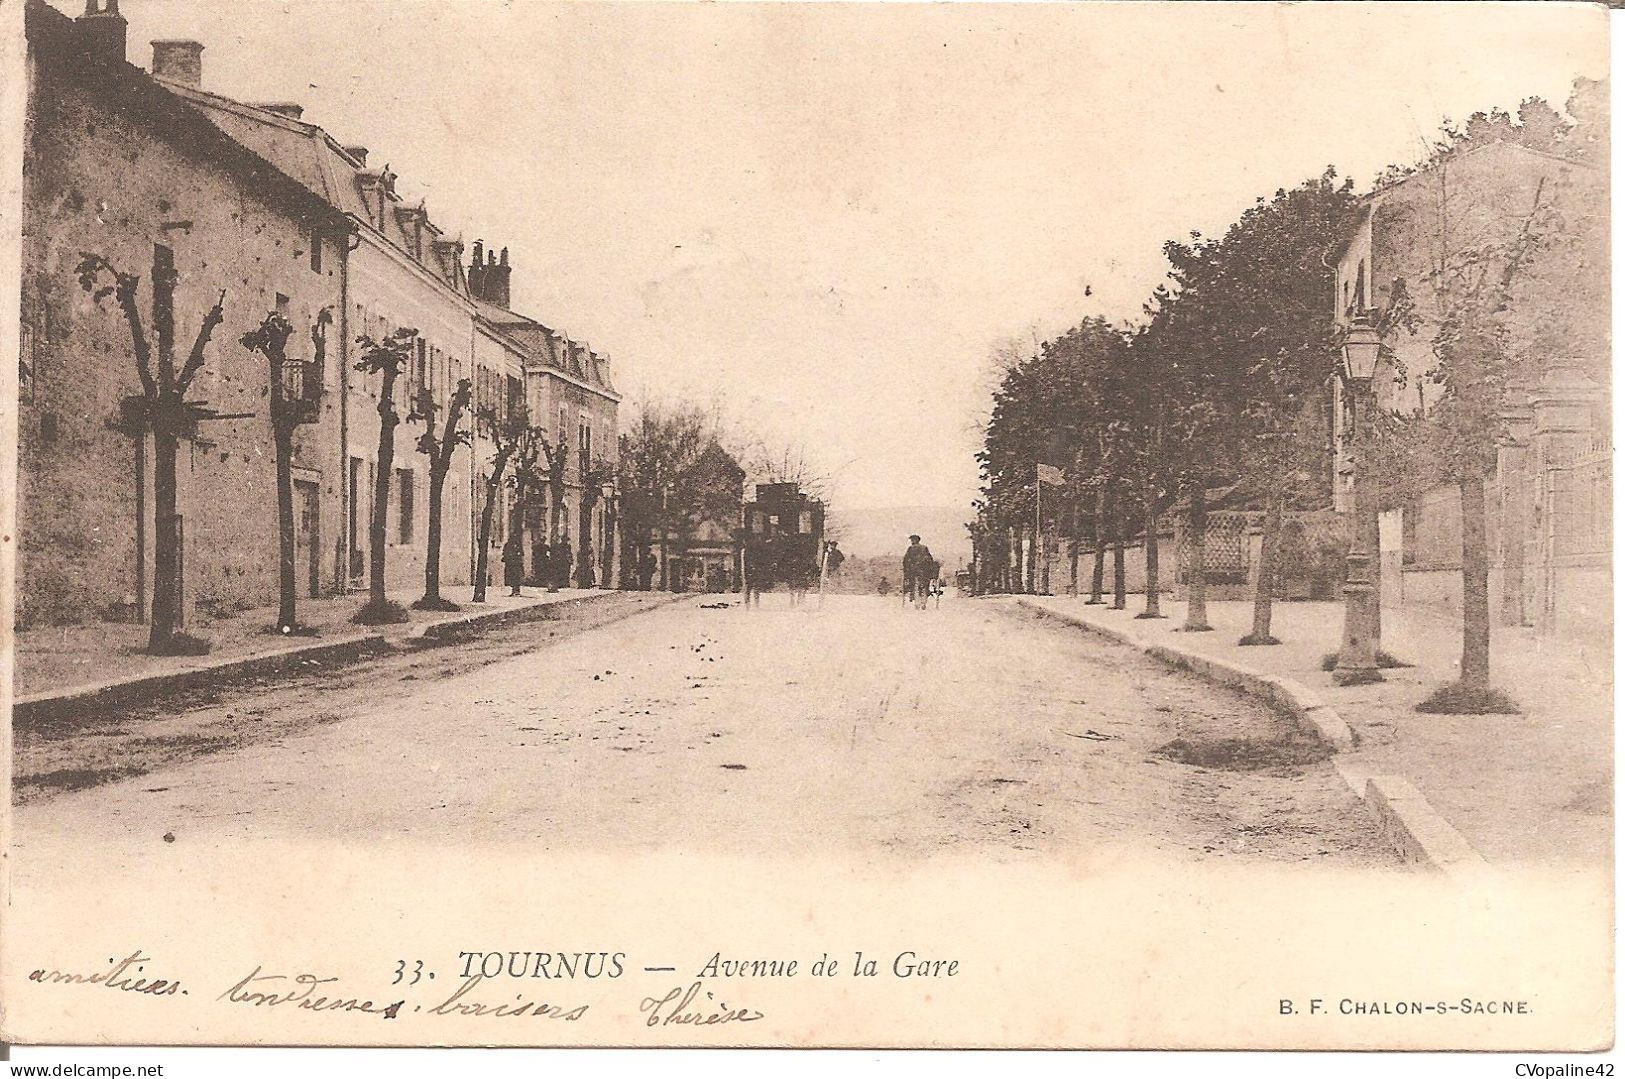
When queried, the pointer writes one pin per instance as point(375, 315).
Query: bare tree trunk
point(287, 589)
point(1097, 577)
point(557, 573)
point(1074, 527)
point(1475, 585)
point(1196, 605)
point(380, 490)
point(1018, 572)
point(1264, 586)
point(1370, 520)
point(610, 547)
point(584, 573)
point(1032, 559)
point(166, 544)
point(1119, 576)
point(431, 565)
point(166, 567)
point(1153, 601)
point(518, 519)
point(1119, 527)
point(482, 553)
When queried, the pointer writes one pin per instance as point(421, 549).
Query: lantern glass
point(1361, 346)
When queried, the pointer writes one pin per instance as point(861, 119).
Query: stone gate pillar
point(1516, 494)
point(1562, 405)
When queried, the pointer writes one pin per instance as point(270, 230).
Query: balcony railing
point(302, 388)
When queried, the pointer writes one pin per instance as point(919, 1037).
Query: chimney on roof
point(291, 109)
point(178, 61)
point(488, 277)
point(359, 153)
point(103, 31)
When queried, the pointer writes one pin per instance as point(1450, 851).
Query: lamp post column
point(1357, 659)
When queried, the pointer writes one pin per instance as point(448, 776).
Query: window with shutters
point(403, 525)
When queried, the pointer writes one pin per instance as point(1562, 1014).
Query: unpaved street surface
point(855, 726)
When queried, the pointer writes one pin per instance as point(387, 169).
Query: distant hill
point(881, 533)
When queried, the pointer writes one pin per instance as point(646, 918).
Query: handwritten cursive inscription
point(704, 1013)
point(124, 976)
point(274, 990)
point(456, 1004)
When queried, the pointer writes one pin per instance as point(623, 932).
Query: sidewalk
point(1527, 789)
point(74, 661)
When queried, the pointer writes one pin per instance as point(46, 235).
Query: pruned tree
point(526, 478)
point(270, 339)
point(555, 460)
point(163, 410)
point(599, 474)
point(387, 358)
point(1475, 357)
point(507, 433)
point(439, 447)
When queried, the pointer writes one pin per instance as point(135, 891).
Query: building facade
point(118, 166)
point(252, 201)
point(1550, 535)
point(569, 396)
point(704, 553)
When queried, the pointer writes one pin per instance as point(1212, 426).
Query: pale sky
point(827, 215)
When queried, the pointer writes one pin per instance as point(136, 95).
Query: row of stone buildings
point(254, 202)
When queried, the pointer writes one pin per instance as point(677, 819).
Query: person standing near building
point(513, 563)
point(561, 555)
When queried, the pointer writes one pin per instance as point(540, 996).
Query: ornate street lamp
point(1357, 659)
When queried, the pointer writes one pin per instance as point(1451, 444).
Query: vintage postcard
point(817, 525)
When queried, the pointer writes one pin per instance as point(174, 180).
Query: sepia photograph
point(807, 525)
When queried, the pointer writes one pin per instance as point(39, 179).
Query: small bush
point(388, 613)
point(1458, 699)
point(439, 603)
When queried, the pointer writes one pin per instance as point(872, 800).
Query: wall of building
point(388, 292)
point(96, 181)
point(499, 361)
point(568, 405)
point(1557, 324)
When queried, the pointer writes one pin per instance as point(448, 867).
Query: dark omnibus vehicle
point(784, 528)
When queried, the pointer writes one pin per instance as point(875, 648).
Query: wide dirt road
point(859, 726)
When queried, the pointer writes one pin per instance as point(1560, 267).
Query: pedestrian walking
point(559, 572)
point(513, 563)
point(919, 569)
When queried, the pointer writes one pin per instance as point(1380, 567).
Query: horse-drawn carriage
point(783, 539)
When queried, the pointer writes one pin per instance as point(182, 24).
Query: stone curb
point(39, 708)
point(1292, 698)
point(1405, 820)
point(459, 625)
point(1408, 824)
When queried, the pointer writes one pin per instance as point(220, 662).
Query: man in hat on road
point(919, 570)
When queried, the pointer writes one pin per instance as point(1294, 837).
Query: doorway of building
point(307, 534)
